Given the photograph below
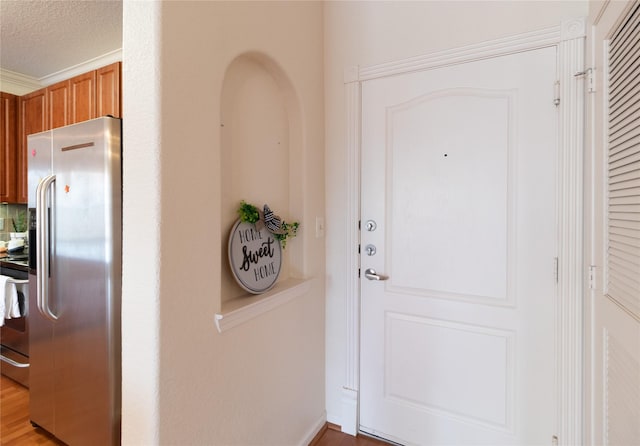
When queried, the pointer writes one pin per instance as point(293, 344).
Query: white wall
point(368, 33)
point(141, 225)
point(183, 382)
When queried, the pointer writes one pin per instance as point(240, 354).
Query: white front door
point(613, 359)
point(459, 203)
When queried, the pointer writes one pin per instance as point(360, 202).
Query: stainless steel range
point(14, 334)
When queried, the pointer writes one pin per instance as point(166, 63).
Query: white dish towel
point(9, 307)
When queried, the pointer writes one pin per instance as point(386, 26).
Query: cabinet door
point(58, 104)
point(82, 99)
point(8, 147)
point(32, 119)
point(108, 90)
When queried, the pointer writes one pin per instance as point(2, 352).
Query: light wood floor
point(16, 429)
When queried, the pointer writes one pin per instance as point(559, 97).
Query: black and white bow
point(271, 221)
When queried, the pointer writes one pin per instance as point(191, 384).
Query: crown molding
point(91, 64)
point(19, 84)
point(16, 83)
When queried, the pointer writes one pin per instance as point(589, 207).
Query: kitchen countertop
point(7, 262)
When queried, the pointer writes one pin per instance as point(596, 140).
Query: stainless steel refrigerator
point(75, 201)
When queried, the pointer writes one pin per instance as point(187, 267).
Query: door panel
point(464, 194)
point(484, 397)
point(459, 173)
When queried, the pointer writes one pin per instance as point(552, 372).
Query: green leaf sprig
point(250, 214)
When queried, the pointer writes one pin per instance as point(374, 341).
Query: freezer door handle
point(42, 246)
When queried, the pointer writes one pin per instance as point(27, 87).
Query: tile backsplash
point(9, 213)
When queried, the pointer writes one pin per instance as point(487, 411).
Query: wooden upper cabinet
point(8, 147)
point(87, 96)
point(58, 104)
point(108, 96)
point(32, 118)
point(82, 97)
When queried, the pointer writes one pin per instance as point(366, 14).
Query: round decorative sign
point(255, 257)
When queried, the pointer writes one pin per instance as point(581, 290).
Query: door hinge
point(592, 277)
point(590, 78)
point(556, 93)
point(591, 81)
point(555, 269)
point(358, 273)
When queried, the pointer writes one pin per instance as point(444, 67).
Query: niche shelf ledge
point(244, 308)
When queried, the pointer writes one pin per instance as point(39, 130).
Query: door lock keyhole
point(371, 225)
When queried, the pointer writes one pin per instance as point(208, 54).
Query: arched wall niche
point(261, 155)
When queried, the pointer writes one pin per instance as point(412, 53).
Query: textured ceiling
point(41, 37)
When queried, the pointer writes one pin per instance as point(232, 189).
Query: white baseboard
point(313, 431)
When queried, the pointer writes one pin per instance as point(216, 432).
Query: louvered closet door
point(615, 311)
point(624, 167)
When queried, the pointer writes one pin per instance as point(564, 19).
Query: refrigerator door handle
point(42, 247)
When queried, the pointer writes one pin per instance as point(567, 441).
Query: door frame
point(569, 39)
